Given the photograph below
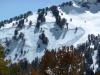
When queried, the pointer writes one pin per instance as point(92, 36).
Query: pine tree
point(30, 23)
point(15, 32)
point(43, 38)
point(99, 1)
point(4, 70)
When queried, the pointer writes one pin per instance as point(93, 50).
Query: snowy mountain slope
point(86, 20)
point(89, 20)
point(56, 36)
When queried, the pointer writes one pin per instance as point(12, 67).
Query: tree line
point(16, 18)
point(62, 61)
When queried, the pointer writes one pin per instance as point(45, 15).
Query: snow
point(56, 36)
point(92, 46)
point(94, 65)
point(87, 21)
point(49, 17)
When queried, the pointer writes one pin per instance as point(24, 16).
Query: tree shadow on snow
point(64, 33)
point(36, 30)
point(40, 46)
point(56, 31)
point(12, 45)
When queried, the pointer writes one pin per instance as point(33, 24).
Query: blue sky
point(11, 8)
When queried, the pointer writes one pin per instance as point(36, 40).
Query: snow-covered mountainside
point(81, 22)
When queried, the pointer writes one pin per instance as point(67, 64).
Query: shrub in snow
point(30, 23)
point(43, 38)
point(62, 22)
point(16, 32)
point(1, 24)
point(21, 35)
point(76, 30)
